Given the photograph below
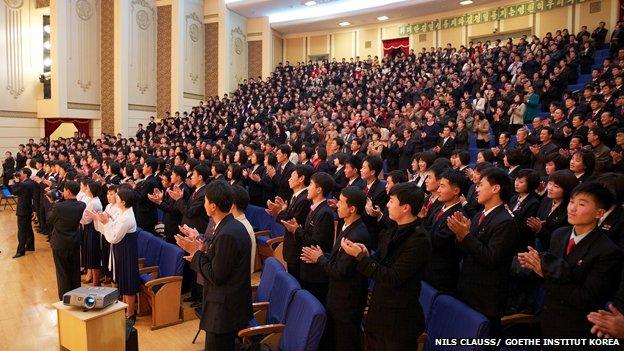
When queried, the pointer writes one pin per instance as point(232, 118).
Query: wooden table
point(92, 330)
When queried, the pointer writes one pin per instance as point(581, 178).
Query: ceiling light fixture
point(326, 9)
point(382, 18)
point(310, 3)
point(344, 24)
point(466, 2)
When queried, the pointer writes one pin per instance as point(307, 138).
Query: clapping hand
point(534, 149)
point(176, 193)
point(290, 225)
point(333, 203)
point(353, 249)
point(275, 207)
point(535, 224)
point(255, 177)
point(190, 245)
point(607, 324)
point(156, 197)
point(371, 210)
point(531, 260)
point(459, 224)
point(311, 254)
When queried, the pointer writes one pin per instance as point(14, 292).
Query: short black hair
point(602, 196)
point(355, 197)
point(219, 167)
point(428, 157)
point(94, 187)
point(127, 195)
point(203, 171)
point(397, 176)
point(72, 186)
point(240, 197)
point(515, 157)
point(375, 163)
point(457, 179)
point(324, 181)
point(180, 171)
point(152, 163)
point(354, 162)
point(589, 160)
point(306, 171)
point(496, 176)
point(559, 161)
point(532, 178)
point(463, 155)
point(26, 171)
point(615, 183)
point(285, 149)
point(565, 179)
point(342, 157)
point(220, 193)
point(409, 194)
point(488, 155)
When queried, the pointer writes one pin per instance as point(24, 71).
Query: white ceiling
point(366, 13)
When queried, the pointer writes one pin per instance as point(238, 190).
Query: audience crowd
point(493, 172)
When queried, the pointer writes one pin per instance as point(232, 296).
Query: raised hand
point(459, 224)
point(290, 225)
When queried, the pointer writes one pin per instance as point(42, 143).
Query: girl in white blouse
point(92, 239)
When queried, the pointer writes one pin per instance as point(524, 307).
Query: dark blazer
point(472, 206)
point(225, 270)
point(146, 211)
point(318, 230)
point(298, 208)
point(488, 251)
point(173, 216)
point(341, 181)
point(397, 268)
point(24, 192)
point(193, 212)
point(539, 160)
point(446, 148)
point(280, 180)
point(379, 197)
point(557, 219)
point(442, 271)
point(255, 190)
point(64, 219)
point(577, 284)
point(528, 208)
point(359, 182)
point(513, 174)
point(613, 226)
point(348, 288)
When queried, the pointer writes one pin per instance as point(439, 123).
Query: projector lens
point(89, 302)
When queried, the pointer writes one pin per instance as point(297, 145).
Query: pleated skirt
point(125, 265)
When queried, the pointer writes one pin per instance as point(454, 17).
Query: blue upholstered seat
point(271, 267)
point(305, 321)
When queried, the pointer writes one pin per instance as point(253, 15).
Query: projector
point(90, 297)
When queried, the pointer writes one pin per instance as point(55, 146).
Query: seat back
point(171, 260)
point(284, 288)
point(305, 322)
point(153, 249)
point(261, 220)
point(6, 192)
point(142, 240)
point(451, 318)
point(269, 270)
point(427, 297)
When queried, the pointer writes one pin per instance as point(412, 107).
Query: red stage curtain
point(399, 43)
point(51, 124)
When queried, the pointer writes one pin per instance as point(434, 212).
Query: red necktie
point(481, 218)
point(571, 245)
point(366, 190)
point(439, 215)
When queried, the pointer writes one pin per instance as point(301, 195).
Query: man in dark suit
point(375, 193)
point(24, 189)
point(284, 169)
point(145, 210)
point(318, 230)
point(489, 243)
point(339, 175)
point(446, 144)
point(599, 35)
point(443, 269)
point(298, 208)
point(173, 216)
point(395, 314)
point(352, 172)
point(580, 268)
point(224, 268)
point(65, 240)
point(544, 150)
point(346, 297)
point(192, 208)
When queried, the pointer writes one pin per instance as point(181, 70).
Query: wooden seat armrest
point(422, 338)
point(254, 287)
point(258, 306)
point(263, 233)
point(261, 330)
point(518, 318)
point(141, 261)
point(150, 269)
point(274, 241)
point(163, 280)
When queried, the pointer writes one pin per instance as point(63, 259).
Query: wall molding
point(82, 106)
point(21, 114)
point(254, 34)
point(193, 96)
point(146, 108)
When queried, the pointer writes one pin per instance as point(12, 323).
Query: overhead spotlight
point(46, 28)
point(466, 2)
point(344, 24)
point(47, 62)
point(382, 18)
point(47, 45)
point(310, 3)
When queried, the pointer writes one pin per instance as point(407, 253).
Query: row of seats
point(161, 266)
